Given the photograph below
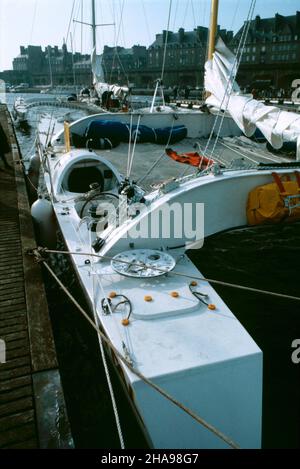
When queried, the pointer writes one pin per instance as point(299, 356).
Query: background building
point(53, 66)
point(124, 65)
point(271, 59)
point(185, 56)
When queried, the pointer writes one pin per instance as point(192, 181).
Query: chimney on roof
point(278, 22)
point(181, 35)
point(164, 36)
point(229, 36)
point(201, 33)
point(298, 22)
point(257, 22)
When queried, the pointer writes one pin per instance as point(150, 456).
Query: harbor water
point(266, 258)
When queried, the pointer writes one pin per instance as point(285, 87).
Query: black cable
point(106, 304)
point(200, 296)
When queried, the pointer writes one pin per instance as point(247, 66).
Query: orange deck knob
point(112, 294)
point(174, 294)
point(212, 307)
point(125, 322)
point(193, 283)
point(148, 298)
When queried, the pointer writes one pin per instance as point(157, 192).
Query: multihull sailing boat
point(129, 251)
point(20, 110)
point(107, 93)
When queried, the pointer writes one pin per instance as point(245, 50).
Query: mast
point(50, 66)
point(93, 23)
point(213, 28)
point(94, 27)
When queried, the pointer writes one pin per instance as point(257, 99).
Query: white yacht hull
point(205, 359)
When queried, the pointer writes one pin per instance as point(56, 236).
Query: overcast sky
point(43, 22)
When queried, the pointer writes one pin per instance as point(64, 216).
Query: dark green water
point(264, 257)
point(268, 258)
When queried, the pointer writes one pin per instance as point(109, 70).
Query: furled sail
point(98, 74)
point(99, 80)
point(277, 125)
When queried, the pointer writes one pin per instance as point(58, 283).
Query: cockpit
point(95, 187)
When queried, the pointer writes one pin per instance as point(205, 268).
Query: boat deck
point(31, 398)
point(151, 165)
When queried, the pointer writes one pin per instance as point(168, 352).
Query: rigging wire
point(75, 21)
point(70, 22)
point(234, 70)
point(185, 12)
point(158, 160)
point(231, 78)
point(100, 31)
point(146, 21)
point(134, 145)
point(116, 54)
point(81, 28)
point(193, 13)
point(235, 13)
point(175, 14)
point(33, 21)
point(166, 43)
point(122, 24)
point(73, 40)
point(104, 360)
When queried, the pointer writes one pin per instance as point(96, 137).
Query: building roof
point(265, 28)
point(181, 37)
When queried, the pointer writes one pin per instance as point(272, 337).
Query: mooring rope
point(179, 274)
point(104, 360)
point(191, 413)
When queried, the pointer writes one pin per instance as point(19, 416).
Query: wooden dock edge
point(51, 414)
